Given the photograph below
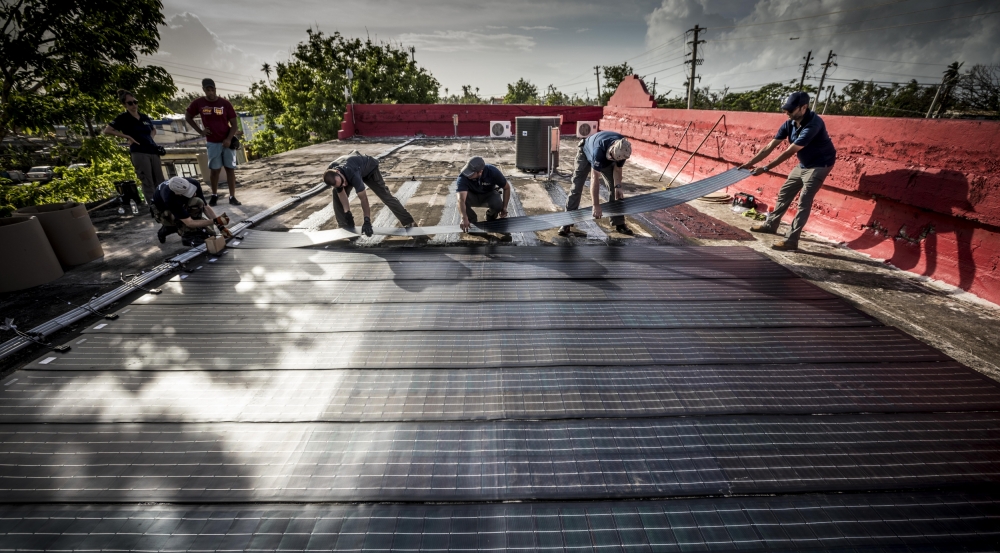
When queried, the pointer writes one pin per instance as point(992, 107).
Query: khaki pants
point(808, 181)
point(376, 184)
point(150, 173)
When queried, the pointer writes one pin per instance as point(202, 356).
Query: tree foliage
point(521, 92)
point(62, 61)
point(108, 163)
point(305, 102)
point(613, 76)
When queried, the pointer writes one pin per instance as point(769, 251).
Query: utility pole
point(804, 69)
point(597, 73)
point(828, 97)
point(694, 62)
point(413, 54)
point(827, 65)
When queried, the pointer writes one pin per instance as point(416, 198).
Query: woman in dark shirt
point(138, 129)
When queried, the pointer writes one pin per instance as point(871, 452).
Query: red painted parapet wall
point(436, 119)
point(922, 194)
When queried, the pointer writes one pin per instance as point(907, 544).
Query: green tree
point(304, 102)
point(62, 61)
point(521, 92)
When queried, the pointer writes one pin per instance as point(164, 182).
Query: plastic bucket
point(28, 259)
point(72, 235)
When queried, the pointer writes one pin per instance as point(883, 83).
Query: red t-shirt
point(215, 116)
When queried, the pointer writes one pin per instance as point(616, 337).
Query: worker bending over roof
point(353, 172)
point(603, 153)
point(179, 205)
point(479, 185)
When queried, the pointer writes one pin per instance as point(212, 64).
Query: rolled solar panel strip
point(629, 206)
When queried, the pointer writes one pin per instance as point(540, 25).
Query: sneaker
point(234, 201)
point(762, 228)
point(785, 246)
point(163, 233)
point(623, 229)
point(212, 200)
point(566, 230)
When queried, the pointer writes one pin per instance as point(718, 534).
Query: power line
point(894, 61)
point(762, 38)
point(156, 61)
point(863, 70)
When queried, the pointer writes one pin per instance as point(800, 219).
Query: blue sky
point(490, 44)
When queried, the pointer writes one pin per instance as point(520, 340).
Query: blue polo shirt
point(817, 148)
point(491, 179)
point(595, 147)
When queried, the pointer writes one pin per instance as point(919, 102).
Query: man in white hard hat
point(601, 154)
point(179, 205)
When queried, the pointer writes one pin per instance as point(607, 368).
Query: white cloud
point(496, 26)
point(458, 41)
point(584, 30)
point(190, 52)
point(538, 28)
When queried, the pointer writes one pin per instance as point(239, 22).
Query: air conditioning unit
point(585, 128)
point(500, 129)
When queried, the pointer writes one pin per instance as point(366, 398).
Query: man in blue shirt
point(480, 185)
point(602, 153)
point(808, 139)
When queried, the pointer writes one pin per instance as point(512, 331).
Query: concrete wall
point(922, 194)
point(436, 119)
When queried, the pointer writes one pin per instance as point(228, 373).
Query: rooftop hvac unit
point(585, 128)
point(500, 129)
point(537, 144)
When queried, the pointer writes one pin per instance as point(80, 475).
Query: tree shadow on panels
point(914, 232)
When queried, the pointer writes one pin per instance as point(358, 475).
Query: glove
point(226, 233)
point(366, 228)
point(222, 220)
point(349, 219)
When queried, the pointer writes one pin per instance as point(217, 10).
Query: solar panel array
point(655, 399)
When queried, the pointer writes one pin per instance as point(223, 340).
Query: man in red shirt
point(219, 120)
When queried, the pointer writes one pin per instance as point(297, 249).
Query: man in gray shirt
point(353, 172)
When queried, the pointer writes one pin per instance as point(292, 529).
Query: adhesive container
point(68, 227)
point(28, 259)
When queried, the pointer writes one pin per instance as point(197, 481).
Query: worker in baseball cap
point(179, 205)
point(480, 185)
point(602, 154)
point(809, 141)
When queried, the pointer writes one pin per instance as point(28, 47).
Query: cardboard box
point(215, 244)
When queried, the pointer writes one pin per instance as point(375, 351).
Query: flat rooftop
point(683, 389)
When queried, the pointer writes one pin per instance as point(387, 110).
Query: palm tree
point(267, 71)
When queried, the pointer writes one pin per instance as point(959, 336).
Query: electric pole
point(829, 62)
point(694, 62)
point(597, 73)
point(413, 54)
point(804, 69)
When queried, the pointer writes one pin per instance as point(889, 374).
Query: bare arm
point(506, 200)
point(619, 193)
point(595, 193)
point(461, 211)
point(763, 153)
point(365, 208)
point(113, 132)
point(233, 127)
point(197, 129)
point(198, 223)
point(778, 160)
point(342, 196)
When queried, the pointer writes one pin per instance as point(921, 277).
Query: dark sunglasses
point(132, 103)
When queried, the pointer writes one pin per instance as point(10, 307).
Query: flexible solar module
point(483, 398)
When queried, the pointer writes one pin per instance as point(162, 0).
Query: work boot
point(213, 199)
point(164, 232)
point(506, 237)
point(234, 201)
point(623, 229)
point(762, 228)
point(785, 246)
point(566, 230)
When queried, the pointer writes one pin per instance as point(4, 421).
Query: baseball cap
point(181, 186)
point(474, 166)
point(207, 83)
point(620, 149)
point(795, 100)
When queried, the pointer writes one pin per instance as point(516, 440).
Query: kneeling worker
point(479, 185)
point(602, 153)
point(808, 140)
point(179, 205)
point(354, 171)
